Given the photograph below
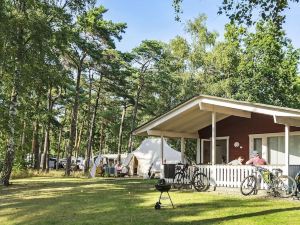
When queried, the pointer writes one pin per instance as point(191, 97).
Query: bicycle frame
point(297, 179)
point(187, 175)
point(267, 176)
point(259, 173)
point(277, 184)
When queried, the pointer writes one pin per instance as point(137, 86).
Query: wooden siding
point(238, 130)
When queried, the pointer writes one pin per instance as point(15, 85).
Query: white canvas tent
point(149, 153)
point(113, 157)
point(105, 158)
point(95, 164)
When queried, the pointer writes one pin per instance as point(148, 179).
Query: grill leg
point(160, 198)
point(170, 199)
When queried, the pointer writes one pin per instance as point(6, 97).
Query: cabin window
point(294, 149)
point(272, 148)
point(276, 150)
point(257, 145)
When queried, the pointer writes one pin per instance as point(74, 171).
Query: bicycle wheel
point(248, 185)
point(297, 179)
point(200, 182)
point(284, 186)
point(178, 180)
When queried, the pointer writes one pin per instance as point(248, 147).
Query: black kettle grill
point(162, 187)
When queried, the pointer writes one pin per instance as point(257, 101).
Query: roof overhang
point(187, 118)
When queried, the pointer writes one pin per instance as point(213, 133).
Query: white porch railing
point(231, 176)
point(227, 175)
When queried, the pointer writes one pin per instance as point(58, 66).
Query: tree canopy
point(67, 91)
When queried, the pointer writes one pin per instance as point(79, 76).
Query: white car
point(62, 163)
point(80, 163)
point(52, 163)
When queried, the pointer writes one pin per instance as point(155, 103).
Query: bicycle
point(182, 177)
point(297, 179)
point(279, 185)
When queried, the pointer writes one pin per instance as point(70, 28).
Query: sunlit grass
point(59, 200)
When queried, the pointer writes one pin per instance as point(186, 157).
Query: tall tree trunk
point(66, 143)
point(41, 147)
point(104, 144)
point(35, 145)
point(91, 131)
point(12, 114)
point(133, 121)
point(78, 142)
point(70, 147)
point(59, 147)
point(101, 138)
point(89, 111)
point(121, 133)
point(23, 152)
point(10, 153)
point(61, 130)
point(45, 155)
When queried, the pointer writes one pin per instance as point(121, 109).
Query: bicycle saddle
point(277, 170)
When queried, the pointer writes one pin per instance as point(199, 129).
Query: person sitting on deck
point(237, 162)
point(256, 160)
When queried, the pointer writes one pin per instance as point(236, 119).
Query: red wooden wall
point(238, 129)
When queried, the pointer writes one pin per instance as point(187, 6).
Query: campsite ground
point(57, 200)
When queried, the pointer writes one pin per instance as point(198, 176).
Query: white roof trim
point(174, 112)
point(291, 121)
point(251, 107)
point(240, 108)
point(158, 133)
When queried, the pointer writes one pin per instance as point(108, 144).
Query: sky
point(155, 19)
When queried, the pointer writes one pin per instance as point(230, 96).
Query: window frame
point(264, 138)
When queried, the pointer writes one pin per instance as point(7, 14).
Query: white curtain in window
point(257, 145)
point(276, 150)
point(294, 150)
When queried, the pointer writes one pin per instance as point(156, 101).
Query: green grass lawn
point(46, 200)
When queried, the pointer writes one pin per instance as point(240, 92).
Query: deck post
point(213, 138)
point(162, 172)
point(264, 151)
point(182, 148)
point(202, 151)
point(286, 148)
point(162, 149)
point(198, 156)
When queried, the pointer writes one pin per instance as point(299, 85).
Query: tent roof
point(187, 118)
point(149, 149)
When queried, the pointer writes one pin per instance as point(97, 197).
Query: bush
point(21, 173)
point(24, 173)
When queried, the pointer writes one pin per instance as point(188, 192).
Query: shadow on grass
point(239, 216)
point(107, 201)
point(33, 203)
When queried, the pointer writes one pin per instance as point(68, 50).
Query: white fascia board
point(221, 102)
point(167, 116)
point(290, 121)
point(224, 110)
point(172, 134)
point(250, 107)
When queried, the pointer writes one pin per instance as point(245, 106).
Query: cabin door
point(222, 150)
